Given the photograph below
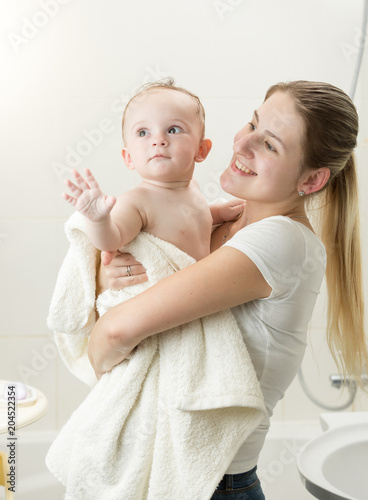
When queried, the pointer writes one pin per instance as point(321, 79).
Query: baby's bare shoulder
point(135, 196)
point(133, 201)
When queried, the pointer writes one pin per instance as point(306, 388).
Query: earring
point(301, 193)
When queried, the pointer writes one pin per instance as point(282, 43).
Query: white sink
point(334, 465)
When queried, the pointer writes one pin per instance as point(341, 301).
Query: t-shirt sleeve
point(277, 247)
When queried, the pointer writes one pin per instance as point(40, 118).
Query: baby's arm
point(105, 229)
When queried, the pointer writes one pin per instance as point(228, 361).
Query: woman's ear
point(127, 158)
point(204, 148)
point(315, 181)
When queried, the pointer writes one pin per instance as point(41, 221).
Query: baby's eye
point(174, 130)
point(142, 132)
point(252, 126)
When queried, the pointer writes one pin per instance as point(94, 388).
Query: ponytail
point(341, 236)
point(331, 130)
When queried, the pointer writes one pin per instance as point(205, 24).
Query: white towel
point(166, 423)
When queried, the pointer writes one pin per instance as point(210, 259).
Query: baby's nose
point(159, 140)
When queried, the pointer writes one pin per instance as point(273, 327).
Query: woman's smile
point(237, 165)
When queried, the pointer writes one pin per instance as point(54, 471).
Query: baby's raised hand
point(87, 197)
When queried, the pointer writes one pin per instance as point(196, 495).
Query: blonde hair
point(168, 84)
point(331, 128)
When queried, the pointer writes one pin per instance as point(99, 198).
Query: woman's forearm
point(105, 349)
point(222, 280)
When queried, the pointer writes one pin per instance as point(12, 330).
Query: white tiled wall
point(68, 67)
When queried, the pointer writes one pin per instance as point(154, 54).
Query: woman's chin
point(225, 182)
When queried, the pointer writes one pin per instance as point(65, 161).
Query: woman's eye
point(269, 146)
point(252, 126)
point(174, 130)
point(142, 132)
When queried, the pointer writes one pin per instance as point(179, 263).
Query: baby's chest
point(179, 217)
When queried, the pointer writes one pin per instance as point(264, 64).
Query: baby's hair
point(168, 84)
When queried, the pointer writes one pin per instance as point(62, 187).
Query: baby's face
point(163, 132)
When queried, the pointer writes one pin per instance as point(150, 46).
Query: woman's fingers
point(121, 282)
point(126, 259)
point(121, 270)
point(134, 270)
point(118, 259)
point(119, 278)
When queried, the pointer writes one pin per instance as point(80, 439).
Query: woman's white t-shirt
point(292, 260)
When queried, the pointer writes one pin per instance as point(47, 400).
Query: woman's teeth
point(244, 169)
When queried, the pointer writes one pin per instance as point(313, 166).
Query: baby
point(163, 133)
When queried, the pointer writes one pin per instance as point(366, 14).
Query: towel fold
point(166, 423)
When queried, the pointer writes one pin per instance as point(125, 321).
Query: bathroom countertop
point(26, 413)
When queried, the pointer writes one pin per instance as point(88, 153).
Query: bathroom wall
point(67, 69)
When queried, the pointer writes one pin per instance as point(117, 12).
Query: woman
point(268, 264)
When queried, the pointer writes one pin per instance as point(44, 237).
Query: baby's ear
point(127, 158)
point(204, 149)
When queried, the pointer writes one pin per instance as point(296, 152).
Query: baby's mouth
point(159, 156)
point(243, 168)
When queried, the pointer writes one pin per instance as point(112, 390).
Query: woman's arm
point(224, 279)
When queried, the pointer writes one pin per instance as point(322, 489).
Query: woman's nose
point(244, 145)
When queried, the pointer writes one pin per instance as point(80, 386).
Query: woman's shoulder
point(284, 251)
point(280, 227)
point(280, 237)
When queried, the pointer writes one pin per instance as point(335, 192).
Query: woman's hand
point(118, 270)
point(228, 211)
